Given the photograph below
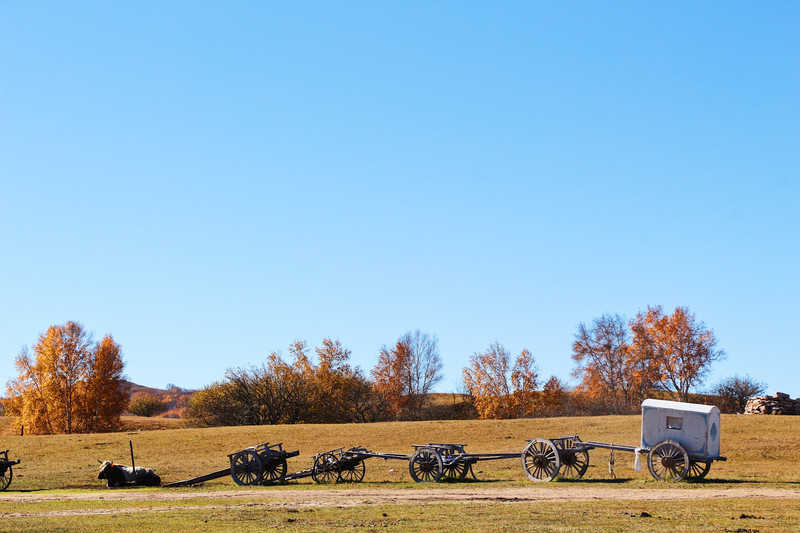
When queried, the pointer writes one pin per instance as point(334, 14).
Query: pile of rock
point(780, 404)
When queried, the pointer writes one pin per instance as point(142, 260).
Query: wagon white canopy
point(694, 426)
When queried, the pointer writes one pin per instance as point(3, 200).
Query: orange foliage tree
point(552, 398)
point(677, 347)
point(610, 373)
point(499, 389)
point(387, 377)
point(407, 373)
point(344, 394)
point(68, 385)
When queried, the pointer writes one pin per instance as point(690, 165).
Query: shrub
point(733, 392)
point(145, 404)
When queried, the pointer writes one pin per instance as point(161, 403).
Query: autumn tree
point(604, 365)
point(68, 384)
point(499, 389)
point(106, 393)
point(552, 398)
point(345, 394)
point(406, 373)
point(678, 346)
point(387, 377)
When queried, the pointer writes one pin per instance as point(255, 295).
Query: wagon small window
point(674, 422)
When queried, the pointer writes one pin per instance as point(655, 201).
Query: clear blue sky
point(209, 181)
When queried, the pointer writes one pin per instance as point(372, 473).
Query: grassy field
point(762, 452)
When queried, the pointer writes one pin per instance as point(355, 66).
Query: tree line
point(68, 383)
point(617, 362)
point(323, 387)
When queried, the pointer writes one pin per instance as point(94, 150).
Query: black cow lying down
point(121, 475)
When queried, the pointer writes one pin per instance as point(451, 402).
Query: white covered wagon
point(681, 440)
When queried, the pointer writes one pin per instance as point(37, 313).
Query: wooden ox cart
point(681, 440)
point(262, 464)
point(429, 463)
point(6, 472)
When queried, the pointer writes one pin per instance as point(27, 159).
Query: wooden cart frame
point(262, 464)
point(6, 472)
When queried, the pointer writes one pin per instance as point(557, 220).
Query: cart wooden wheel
point(6, 475)
point(426, 466)
point(573, 463)
point(274, 471)
point(352, 472)
point(326, 468)
point(698, 470)
point(246, 467)
point(453, 469)
point(668, 461)
point(541, 460)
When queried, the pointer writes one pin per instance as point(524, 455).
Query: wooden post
point(133, 463)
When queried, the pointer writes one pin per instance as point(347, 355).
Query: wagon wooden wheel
point(352, 471)
point(573, 463)
point(426, 466)
point(274, 471)
point(6, 475)
point(453, 468)
point(540, 460)
point(246, 467)
point(668, 461)
point(326, 468)
point(698, 470)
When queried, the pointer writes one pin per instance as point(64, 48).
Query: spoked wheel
point(453, 468)
point(698, 470)
point(326, 468)
point(274, 471)
point(352, 472)
point(573, 463)
point(426, 466)
point(668, 461)
point(6, 475)
point(246, 468)
point(540, 460)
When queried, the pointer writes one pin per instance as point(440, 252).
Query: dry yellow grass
point(760, 449)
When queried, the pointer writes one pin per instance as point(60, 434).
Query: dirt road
point(348, 497)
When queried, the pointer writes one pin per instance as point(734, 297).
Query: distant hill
point(135, 387)
point(175, 399)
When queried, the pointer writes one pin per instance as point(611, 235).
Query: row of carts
point(542, 460)
point(266, 464)
point(680, 441)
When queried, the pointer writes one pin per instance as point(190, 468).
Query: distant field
point(757, 489)
point(129, 423)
